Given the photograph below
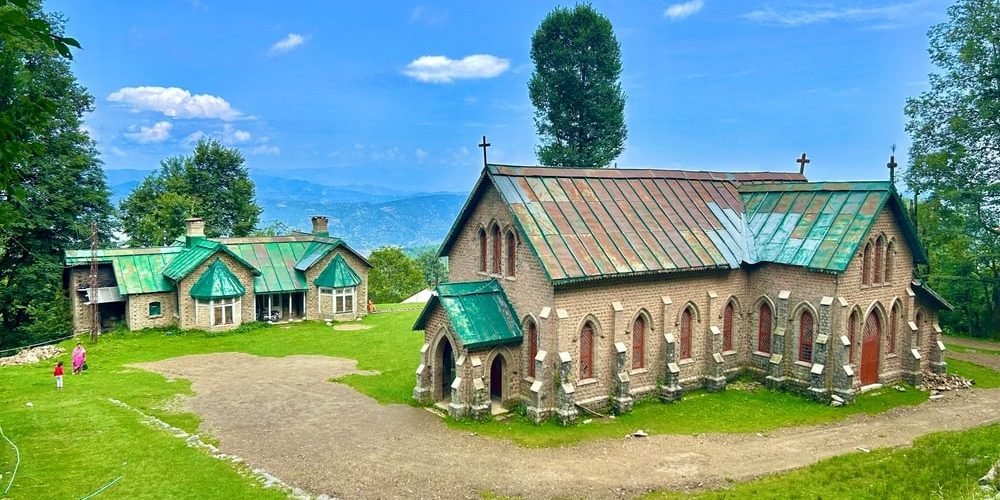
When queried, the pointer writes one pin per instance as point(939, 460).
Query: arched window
point(497, 249)
point(893, 328)
point(727, 327)
point(686, 319)
point(532, 346)
point(764, 326)
point(852, 332)
point(877, 276)
point(639, 342)
point(511, 253)
point(482, 250)
point(889, 251)
point(587, 351)
point(806, 325)
point(920, 328)
point(866, 265)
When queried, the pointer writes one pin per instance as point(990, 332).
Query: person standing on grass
point(79, 358)
point(58, 374)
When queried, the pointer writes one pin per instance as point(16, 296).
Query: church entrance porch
point(444, 370)
point(498, 370)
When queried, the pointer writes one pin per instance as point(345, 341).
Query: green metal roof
point(338, 274)
point(197, 253)
point(137, 270)
point(218, 282)
point(816, 225)
point(479, 312)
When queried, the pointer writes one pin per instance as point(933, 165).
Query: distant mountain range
point(366, 217)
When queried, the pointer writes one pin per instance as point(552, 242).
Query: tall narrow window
point(587, 351)
point(920, 328)
point(686, 320)
point(482, 250)
point(877, 276)
point(893, 328)
point(532, 347)
point(889, 250)
point(639, 342)
point(764, 328)
point(866, 265)
point(852, 332)
point(727, 327)
point(497, 249)
point(511, 253)
point(806, 326)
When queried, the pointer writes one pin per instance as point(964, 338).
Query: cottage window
point(686, 320)
point(219, 311)
point(639, 343)
point(878, 277)
point(339, 300)
point(482, 250)
point(497, 249)
point(587, 351)
point(889, 250)
point(511, 253)
point(154, 309)
point(893, 328)
point(532, 347)
point(764, 326)
point(866, 265)
point(806, 326)
point(727, 327)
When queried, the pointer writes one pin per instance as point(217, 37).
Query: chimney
point(320, 225)
point(195, 229)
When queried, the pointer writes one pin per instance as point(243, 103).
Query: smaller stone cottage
point(220, 283)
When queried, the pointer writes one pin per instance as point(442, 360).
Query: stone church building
point(220, 283)
point(593, 287)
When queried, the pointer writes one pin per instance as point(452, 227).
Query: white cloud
point(265, 149)
point(421, 155)
point(159, 132)
point(286, 44)
point(441, 69)
point(427, 15)
point(193, 137)
point(801, 17)
point(115, 150)
point(682, 10)
point(174, 102)
point(232, 135)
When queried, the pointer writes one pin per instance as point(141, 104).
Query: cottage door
point(869, 349)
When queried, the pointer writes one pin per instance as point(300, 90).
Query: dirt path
point(281, 414)
point(989, 345)
point(987, 357)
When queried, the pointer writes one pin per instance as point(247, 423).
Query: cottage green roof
point(218, 282)
point(337, 275)
point(479, 312)
point(137, 270)
point(195, 255)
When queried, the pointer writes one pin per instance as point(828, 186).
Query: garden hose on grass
point(17, 463)
point(102, 488)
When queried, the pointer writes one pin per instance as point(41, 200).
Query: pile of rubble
point(33, 355)
point(941, 382)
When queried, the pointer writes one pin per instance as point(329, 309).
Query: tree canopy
point(955, 157)
point(394, 276)
point(212, 183)
point(60, 186)
point(575, 88)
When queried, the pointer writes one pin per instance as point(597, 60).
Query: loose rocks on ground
point(944, 382)
point(33, 355)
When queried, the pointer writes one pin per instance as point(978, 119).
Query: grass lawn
point(939, 465)
point(973, 350)
point(985, 378)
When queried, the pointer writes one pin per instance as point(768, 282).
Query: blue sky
point(398, 94)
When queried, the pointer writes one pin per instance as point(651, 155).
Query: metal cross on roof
point(892, 166)
point(802, 163)
point(484, 145)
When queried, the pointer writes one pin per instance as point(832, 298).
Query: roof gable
point(337, 274)
point(217, 282)
point(479, 312)
point(137, 270)
point(197, 253)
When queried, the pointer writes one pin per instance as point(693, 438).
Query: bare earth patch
point(350, 327)
point(280, 414)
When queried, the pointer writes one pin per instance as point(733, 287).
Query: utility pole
point(95, 324)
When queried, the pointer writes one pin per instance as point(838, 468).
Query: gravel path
point(281, 414)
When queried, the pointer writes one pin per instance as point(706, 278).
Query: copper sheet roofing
point(137, 270)
point(586, 223)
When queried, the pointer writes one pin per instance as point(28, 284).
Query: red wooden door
point(869, 349)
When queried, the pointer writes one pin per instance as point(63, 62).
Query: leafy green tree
point(212, 183)
point(60, 184)
point(955, 128)
point(576, 89)
point(393, 277)
point(434, 268)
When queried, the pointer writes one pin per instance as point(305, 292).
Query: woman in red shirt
point(58, 373)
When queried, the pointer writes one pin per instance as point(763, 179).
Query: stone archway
point(498, 372)
point(444, 369)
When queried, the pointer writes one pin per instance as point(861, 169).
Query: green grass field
point(985, 378)
point(74, 441)
point(976, 350)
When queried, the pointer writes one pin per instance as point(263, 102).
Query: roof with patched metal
point(586, 224)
